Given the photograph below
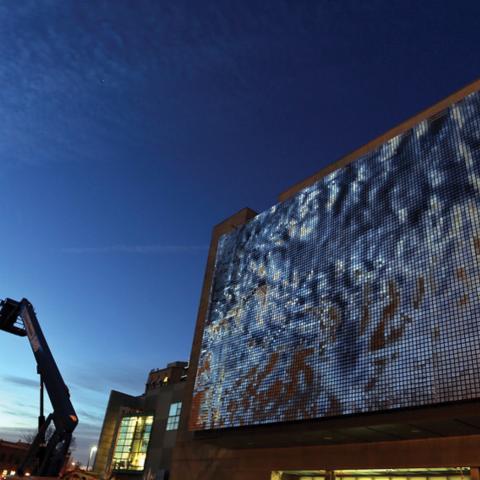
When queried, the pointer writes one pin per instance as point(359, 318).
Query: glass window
point(174, 416)
point(132, 443)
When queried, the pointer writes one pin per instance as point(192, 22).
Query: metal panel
point(359, 294)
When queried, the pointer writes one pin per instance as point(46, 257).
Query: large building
point(338, 332)
point(139, 432)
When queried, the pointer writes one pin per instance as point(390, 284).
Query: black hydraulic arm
point(44, 458)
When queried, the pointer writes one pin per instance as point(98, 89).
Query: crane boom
point(45, 458)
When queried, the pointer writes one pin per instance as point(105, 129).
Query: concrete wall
point(159, 454)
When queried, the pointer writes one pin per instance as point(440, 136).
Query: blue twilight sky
point(130, 128)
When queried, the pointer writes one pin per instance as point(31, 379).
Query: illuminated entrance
point(460, 473)
point(132, 443)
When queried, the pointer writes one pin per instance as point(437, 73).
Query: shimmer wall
point(359, 294)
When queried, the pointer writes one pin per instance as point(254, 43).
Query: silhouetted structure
point(45, 457)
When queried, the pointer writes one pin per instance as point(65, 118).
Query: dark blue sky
point(130, 128)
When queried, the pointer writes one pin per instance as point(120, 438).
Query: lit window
point(132, 442)
point(174, 416)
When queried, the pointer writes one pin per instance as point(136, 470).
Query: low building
point(139, 432)
point(11, 456)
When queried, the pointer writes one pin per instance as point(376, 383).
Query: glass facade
point(132, 443)
point(174, 416)
point(358, 294)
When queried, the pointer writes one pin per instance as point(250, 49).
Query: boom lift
point(44, 457)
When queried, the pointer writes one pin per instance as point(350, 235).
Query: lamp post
point(92, 451)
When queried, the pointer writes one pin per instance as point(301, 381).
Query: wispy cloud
point(139, 249)
point(95, 418)
point(22, 381)
point(66, 65)
point(129, 379)
point(14, 434)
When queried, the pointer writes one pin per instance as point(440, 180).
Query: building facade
point(12, 455)
point(139, 432)
point(338, 331)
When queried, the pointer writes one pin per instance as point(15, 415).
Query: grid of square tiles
point(359, 294)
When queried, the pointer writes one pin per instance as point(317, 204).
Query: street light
point(92, 451)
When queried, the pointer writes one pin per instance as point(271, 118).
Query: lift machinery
point(46, 456)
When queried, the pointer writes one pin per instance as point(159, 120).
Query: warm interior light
point(457, 473)
point(132, 442)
